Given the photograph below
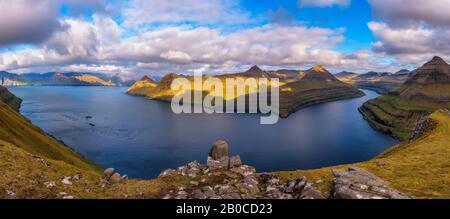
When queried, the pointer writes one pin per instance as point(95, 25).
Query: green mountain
point(427, 90)
point(298, 89)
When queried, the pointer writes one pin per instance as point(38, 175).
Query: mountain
point(381, 82)
point(298, 89)
point(63, 78)
point(10, 99)
point(403, 72)
point(426, 90)
point(145, 85)
point(313, 86)
point(9, 79)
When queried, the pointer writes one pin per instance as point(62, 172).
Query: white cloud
point(323, 3)
point(411, 30)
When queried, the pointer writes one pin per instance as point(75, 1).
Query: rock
point(167, 173)
point(68, 197)
point(310, 192)
point(10, 193)
point(115, 178)
point(107, 173)
point(219, 150)
point(235, 161)
point(50, 184)
point(66, 180)
point(198, 194)
point(357, 183)
point(194, 183)
point(124, 178)
point(221, 164)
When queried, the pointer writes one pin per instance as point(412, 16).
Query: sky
point(154, 37)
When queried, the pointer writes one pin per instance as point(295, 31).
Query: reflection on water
point(140, 137)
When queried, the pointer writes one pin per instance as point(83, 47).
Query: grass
point(420, 168)
point(18, 130)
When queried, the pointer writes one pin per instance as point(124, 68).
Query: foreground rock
point(357, 183)
point(109, 176)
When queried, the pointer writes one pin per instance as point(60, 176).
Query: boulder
point(235, 161)
point(220, 164)
point(107, 173)
point(115, 178)
point(219, 150)
point(357, 183)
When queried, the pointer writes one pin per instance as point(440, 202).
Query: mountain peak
point(255, 68)
point(319, 68)
point(436, 61)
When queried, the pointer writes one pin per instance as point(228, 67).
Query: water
point(141, 137)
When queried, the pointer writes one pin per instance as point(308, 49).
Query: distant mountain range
point(381, 82)
point(59, 79)
point(298, 89)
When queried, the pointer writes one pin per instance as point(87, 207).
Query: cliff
point(427, 90)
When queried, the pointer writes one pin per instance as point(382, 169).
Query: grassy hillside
point(420, 168)
point(10, 99)
point(18, 130)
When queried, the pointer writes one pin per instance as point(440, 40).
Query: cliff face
point(427, 90)
point(298, 89)
point(10, 99)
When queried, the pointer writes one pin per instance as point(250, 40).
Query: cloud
point(323, 3)
point(412, 12)
point(140, 12)
point(181, 47)
point(27, 21)
point(411, 30)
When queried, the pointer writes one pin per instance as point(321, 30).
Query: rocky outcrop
point(240, 181)
point(357, 183)
point(109, 176)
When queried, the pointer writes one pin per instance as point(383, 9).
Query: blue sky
point(136, 37)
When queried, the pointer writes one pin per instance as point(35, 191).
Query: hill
point(298, 89)
point(427, 90)
point(10, 99)
point(19, 131)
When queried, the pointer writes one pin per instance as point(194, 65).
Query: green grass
point(18, 130)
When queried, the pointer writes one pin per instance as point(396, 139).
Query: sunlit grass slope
point(18, 130)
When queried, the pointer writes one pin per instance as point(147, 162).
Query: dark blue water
point(141, 137)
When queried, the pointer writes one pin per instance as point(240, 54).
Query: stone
point(310, 192)
point(124, 178)
point(115, 178)
point(167, 172)
point(219, 150)
point(198, 194)
point(107, 173)
point(194, 183)
point(357, 183)
point(66, 180)
point(235, 161)
point(50, 184)
point(221, 164)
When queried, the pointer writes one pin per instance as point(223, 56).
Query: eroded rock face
point(357, 183)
